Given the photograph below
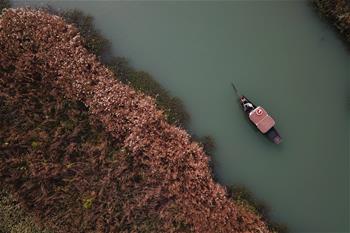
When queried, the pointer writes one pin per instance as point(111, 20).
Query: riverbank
point(97, 44)
point(337, 12)
point(173, 107)
point(193, 203)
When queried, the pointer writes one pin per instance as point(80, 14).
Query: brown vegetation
point(338, 13)
point(97, 44)
point(12, 217)
point(94, 42)
point(86, 153)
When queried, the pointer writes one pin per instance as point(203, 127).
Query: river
point(280, 55)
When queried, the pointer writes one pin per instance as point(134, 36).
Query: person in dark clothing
point(247, 106)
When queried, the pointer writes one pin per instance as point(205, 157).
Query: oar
point(235, 89)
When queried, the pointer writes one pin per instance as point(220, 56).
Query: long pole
point(235, 89)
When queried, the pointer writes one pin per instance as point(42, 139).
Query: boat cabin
point(263, 121)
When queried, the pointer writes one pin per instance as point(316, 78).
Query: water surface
point(281, 56)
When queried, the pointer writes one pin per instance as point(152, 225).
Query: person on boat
point(247, 106)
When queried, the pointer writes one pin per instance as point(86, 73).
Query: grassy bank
point(337, 13)
point(96, 43)
point(13, 219)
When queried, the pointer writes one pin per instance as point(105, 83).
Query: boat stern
point(274, 136)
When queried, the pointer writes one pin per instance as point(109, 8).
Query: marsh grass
point(142, 81)
point(13, 219)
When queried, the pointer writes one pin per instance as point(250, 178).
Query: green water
point(282, 56)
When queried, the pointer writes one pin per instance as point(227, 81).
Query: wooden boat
point(260, 118)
